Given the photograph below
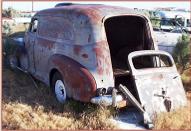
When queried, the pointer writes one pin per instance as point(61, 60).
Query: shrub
point(6, 28)
point(155, 19)
point(181, 52)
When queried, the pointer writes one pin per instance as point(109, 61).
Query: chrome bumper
point(107, 100)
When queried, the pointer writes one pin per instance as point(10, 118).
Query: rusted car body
point(97, 48)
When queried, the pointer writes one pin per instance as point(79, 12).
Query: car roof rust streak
point(91, 11)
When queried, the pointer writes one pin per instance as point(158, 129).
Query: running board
point(133, 100)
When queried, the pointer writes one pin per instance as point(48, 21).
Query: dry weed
point(179, 119)
point(26, 107)
point(23, 116)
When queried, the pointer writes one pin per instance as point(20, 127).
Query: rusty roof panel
point(91, 11)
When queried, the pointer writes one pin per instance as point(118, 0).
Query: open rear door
point(158, 83)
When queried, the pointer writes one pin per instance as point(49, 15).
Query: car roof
point(89, 10)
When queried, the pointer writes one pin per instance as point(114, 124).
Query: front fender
point(79, 82)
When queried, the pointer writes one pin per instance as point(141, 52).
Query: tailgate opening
point(126, 34)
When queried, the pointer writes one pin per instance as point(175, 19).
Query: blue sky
point(27, 6)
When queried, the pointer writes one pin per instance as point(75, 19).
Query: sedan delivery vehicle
point(101, 54)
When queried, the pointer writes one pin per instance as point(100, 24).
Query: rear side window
point(151, 61)
point(56, 28)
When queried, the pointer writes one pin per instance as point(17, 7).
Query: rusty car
point(101, 54)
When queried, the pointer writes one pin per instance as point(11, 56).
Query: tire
point(13, 62)
point(59, 88)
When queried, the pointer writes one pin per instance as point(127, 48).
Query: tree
point(181, 52)
point(155, 19)
point(6, 28)
point(10, 13)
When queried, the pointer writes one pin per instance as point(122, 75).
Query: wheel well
point(52, 72)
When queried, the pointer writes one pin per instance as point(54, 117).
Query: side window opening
point(188, 23)
point(33, 25)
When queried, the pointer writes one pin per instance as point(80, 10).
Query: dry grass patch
point(22, 116)
point(26, 107)
point(20, 27)
point(189, 96)
point(179, 119)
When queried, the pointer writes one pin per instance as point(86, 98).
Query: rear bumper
point(109, 100)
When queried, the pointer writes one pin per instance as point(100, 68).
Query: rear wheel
point(59, 88)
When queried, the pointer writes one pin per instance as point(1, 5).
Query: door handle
point(160, 95)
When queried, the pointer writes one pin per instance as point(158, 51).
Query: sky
point(27, 6)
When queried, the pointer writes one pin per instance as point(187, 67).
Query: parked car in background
point(172, 25)
point(169, 17)
point(101, 54)
point(167, 41)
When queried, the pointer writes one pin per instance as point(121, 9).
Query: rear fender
point(79, 82)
